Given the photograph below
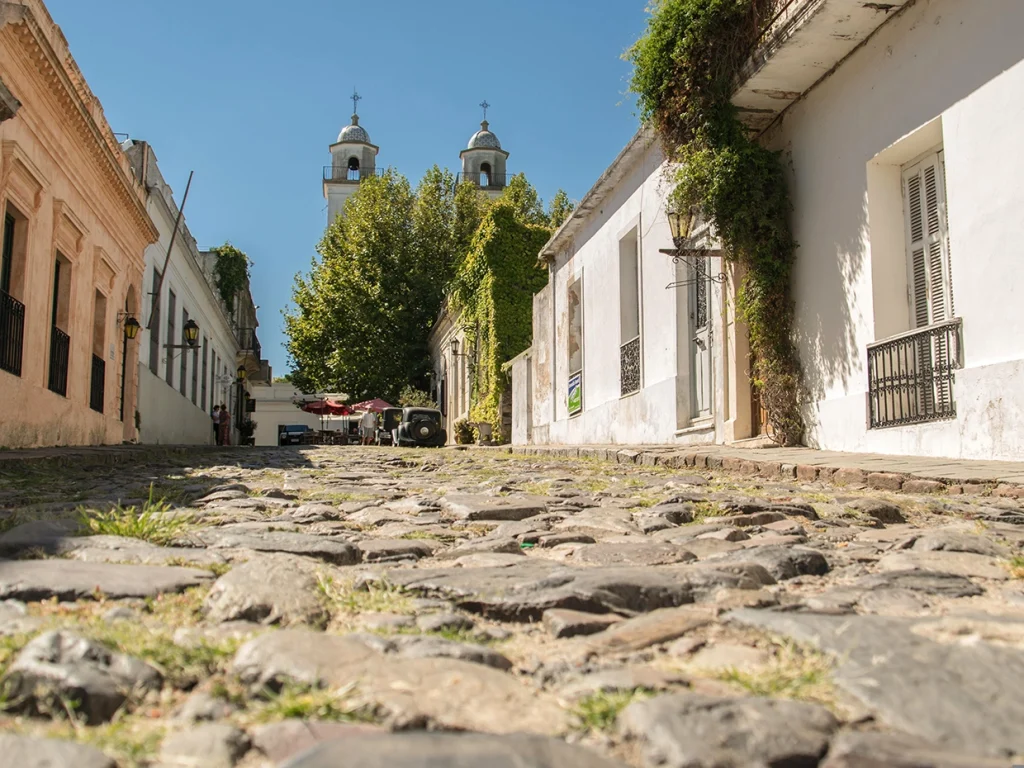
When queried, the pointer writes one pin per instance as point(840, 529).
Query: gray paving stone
point(471, 750)
point(686, 730)
point(66, 580)
point(271, 589)
point(958, 696)
point(35, 752)
point(59, 667)
point(328, 550)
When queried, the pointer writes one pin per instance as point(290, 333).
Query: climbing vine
point(231, 273)
point(492, 294)
point(686, 69)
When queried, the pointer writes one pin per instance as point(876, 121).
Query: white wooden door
point(700, 342)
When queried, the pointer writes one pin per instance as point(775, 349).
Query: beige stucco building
point(74, 231)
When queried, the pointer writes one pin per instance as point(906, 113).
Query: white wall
point(168, 416)
point(661, 409)
point(274, 408)
point(940, 59)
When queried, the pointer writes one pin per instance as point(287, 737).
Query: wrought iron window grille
point(629, 367)
point(910, 376)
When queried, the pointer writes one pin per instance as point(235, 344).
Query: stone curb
point(841, 476)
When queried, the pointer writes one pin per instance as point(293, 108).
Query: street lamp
point(681, 223)
point(131, 330)
point(191, 332)
point(241, 373)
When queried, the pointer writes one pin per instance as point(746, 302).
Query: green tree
point(559, 209)
point(524, 201)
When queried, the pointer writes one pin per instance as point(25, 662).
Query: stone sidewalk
point(916, 474)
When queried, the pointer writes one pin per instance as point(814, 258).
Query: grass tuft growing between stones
point(794, 673)
point(131, 740)
point(1017, 567)
point(702, 510)
point(347, 598)
point(305, 702)
point(150, 523)
point(599, 711)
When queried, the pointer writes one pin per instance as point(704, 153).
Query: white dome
point(483, 139)
point(354, 133)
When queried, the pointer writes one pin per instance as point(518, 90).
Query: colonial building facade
point(903, 144)
point(632, 342)
point(180, 383)
point(74, 231)
point(901, 136)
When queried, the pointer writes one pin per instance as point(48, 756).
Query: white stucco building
point(899, 123)
point(631, 345)
point(275, 408)
point(903, 145)
point(179, 387)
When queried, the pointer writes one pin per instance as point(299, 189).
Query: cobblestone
point(631, 606)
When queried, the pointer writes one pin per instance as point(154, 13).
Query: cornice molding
point(65, 82)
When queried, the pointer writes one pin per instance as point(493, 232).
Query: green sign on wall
point(575, 393)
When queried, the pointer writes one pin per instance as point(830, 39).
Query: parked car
point(420, 427)
point(292, 434)
point(390, 418)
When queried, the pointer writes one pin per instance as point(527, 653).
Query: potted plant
point(246, 432)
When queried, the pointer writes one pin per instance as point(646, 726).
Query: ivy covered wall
point(492, 295)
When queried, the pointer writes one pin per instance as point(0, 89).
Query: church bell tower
point(353, 158)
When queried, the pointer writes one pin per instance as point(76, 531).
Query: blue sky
point(250, 93)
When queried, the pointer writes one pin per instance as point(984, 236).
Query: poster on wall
point(576, 393)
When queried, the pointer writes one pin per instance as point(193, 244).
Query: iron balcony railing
point(96, 384)
point(12, 333)
point(249, 342)
point(910, 376)
point(60, 351)
point(349, 175)
point(485, 180)
point(629, 366)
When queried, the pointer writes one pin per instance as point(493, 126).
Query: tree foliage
point(492, 295)
point(685, 72)
point(360, 318)
point(410, 397)
point(231, 273)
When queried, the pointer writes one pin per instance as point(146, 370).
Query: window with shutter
point(930, 283)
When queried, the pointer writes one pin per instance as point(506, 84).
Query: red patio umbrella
point(327, 407)
point(376, 405)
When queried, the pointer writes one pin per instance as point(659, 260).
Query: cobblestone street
point(380, 607)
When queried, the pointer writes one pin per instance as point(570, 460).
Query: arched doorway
point(485, 174)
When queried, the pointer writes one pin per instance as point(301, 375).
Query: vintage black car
point(420, 427)
point(390, 418)
point(292, 434)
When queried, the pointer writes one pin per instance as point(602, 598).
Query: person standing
point(225, 425)
point(216, 424)
point(368, 427)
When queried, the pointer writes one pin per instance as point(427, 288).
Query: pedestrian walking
point(368, 427)
point(216, 424)
point(225, 425)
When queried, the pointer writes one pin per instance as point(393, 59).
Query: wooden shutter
point(931, 294)
point(929, 280)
